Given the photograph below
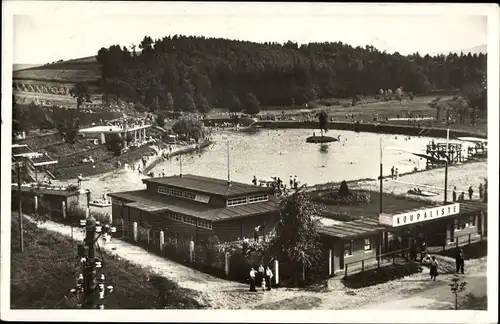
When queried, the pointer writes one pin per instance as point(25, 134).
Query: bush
point(342, 197)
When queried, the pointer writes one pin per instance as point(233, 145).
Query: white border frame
point(174, 8)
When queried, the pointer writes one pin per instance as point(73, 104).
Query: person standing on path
point(261, 274)
point(252, 280)
point(459, 260)
point(434, 271)
point(392, 172)
point(471, 191)
point(269, 276)
point(454, 194)
point(396, 173)
point(80, 179)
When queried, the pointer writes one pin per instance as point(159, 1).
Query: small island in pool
point(322, 139)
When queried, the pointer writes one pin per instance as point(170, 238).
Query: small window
point(472, 222)
point(368, 244)
point(204, 224)
point(348, 248)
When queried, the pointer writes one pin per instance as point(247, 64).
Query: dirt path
point(224, 294)
point(438, 297)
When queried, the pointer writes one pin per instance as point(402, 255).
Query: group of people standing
point(470, 191)
point(394, 173)
point(261, 277)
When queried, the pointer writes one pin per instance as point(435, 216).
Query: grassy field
point(83, 69)
point(42, 276)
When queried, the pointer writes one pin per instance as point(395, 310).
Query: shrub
point(381, 275)
point(333, 198)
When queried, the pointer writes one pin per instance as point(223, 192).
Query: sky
point(50, 37)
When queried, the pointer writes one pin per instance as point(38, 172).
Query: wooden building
point(368, 237)
point(55, 200)
point(197, 207)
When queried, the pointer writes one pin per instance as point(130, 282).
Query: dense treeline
point(196, 73)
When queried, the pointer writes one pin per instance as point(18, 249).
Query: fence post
point(345, 274)
point(378, 262)
point(276, 271)
point(469, 238)
point(330, 262)
point(147, 231)
point(456, 239)
point(63, 206)
point(362, 265)
point(191, 250)
point(35, 203)
point(135, 232)
point(123, 228)
point(162, 240)
point(226, 260)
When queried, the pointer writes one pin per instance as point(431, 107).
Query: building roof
point(354, 228)
point(212, 186)
point(46, 191)
point(143, 200)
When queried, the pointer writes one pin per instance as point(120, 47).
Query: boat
point(100, 203)
point(422, 193)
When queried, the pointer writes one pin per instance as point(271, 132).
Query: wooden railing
point(379, 257)
point(405, 253)
point(471, 238)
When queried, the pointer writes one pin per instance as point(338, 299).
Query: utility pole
point(89, 267)
point(381, 173)
point(21, 234)
point(228, 167)
point(92, 289)
point(446, 167)
point(180, 164)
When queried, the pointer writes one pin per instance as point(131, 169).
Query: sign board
point(420, 215)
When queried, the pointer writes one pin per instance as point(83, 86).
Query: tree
point(69, 129)
point(235, 106)
point(160, 120)
point(457, 286)
point(115, 144)
point(189, 128)
point(128, 138)
point(202, 104)
point(399, 94)
point(81, 92)
point(274, 73)
point(252, 105)
point(297, 233)
point(17, 125)
point(170, 102)
point(389, 94)
point(343, 189)
point(476, 95)
point(190, 106)
point(323, 121)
